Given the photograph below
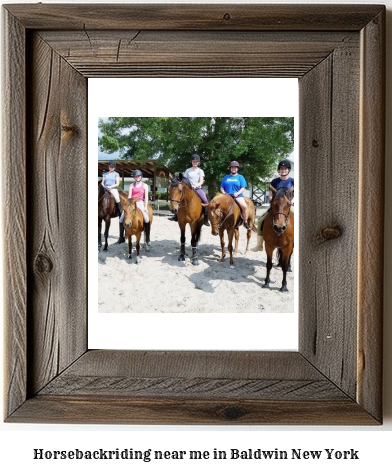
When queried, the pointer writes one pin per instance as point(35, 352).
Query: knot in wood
point(227, 16)
point(43, 264)
point(232, 413)
point(315, 143)
point(328, 233)
point(68, 128)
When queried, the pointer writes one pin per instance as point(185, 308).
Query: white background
point(374, 443)
point(185, 98)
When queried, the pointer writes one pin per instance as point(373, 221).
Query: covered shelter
point(125, 168)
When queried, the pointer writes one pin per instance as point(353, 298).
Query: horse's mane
point(283, 192)
point(177, 180)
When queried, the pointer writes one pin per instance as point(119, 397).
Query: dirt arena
point(162, 284)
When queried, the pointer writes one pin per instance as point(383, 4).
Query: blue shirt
point(278, 183)
point(232, 184)
point(110, 178)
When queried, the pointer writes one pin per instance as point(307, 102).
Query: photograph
point(182, 203)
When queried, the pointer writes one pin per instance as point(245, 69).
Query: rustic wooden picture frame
point(337, 52)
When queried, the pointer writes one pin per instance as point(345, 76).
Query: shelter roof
point(126, 168)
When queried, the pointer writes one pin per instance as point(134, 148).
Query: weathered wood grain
point(338, 54)
point(14, 225)
point(128, 53)
point(371, 216)
point(328, 267)
point(194, 17)
point(155, 411)
point(56, 208)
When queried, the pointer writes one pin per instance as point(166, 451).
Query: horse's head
point(175, 192)
point(280, 208)
point(214, 215)
point(130, 213)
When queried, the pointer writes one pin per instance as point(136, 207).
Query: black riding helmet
point(112, 164)
point(234, 163)
point(195, 158)
point(137, 173)
point(284, 164)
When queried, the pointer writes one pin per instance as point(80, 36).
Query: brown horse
point(106, 210)
point(278, 232)
point(225, 215)
point(187, 205)
point(134, 225)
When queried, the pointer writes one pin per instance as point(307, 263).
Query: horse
point(185, 202)
point(106, 211)
point(225, 215)
point(134, 225)
point(278, 232)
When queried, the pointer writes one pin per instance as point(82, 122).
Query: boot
point(246, 225)
point(206, 217)
point(147, 227)
point(121, 231)
point(118, 206)
point(259, 245)
point(174, 218)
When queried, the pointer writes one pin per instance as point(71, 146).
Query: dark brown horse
point(225, 215)
point(134, 225)
point(187, 205)
point(106, 210)
point(278, 232)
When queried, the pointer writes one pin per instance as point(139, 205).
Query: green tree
point(257, 143)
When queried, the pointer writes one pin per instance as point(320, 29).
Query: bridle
point(182, 197)
point(229, 213)
point(287, 216)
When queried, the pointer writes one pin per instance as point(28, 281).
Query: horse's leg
point(138, 237)
point(236, 238)
point(107, 226)
point(195, 229)
point(99, 234)
point(129, 246)
point(285, 261)
point(181, 258)
point(269, 251)
point(230, 235)
point(222, 241)
point(248, 235)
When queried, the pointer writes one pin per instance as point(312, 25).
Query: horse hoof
point(148, 248)
point(195, 261)
point(284, 289)
point(138, 260)
point(104, 250)
point(232, 266)
point(130, 256)
point(266, 285)
point(181, 258)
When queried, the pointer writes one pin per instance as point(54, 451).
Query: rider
point(195, 175)
point(283, 181)
point(111, 180)
point(139, 190)
point(235, 184)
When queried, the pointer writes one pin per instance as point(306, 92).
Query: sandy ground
point(170, 286)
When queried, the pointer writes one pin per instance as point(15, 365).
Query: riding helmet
point(284, 164)
point(137, 173)
point(112, 164)
point(234, 163)
point(195, 158)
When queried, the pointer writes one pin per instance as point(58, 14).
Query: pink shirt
point(138, 193)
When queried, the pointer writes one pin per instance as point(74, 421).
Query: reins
point(273, 215)
point(182, 198)
point(104, 194)
point(229, 213)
